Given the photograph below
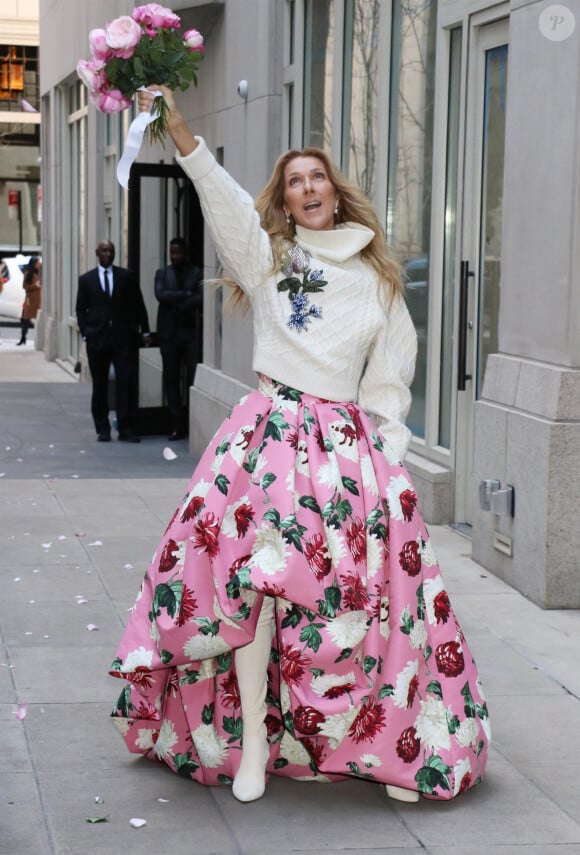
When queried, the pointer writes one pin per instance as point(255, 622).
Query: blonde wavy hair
point(353, 206)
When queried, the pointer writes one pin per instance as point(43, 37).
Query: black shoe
point(103, 436)
point(175, 435)
point(128, 436)
point(22, 341)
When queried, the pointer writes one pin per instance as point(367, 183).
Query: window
point(410, 161)
point(318, 73)
point(360, 93)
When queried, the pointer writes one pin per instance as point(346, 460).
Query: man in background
point(179, 291)
point(112, 319)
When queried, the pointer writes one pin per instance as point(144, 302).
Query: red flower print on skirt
point(410, 559)
point(408, 745)
point(449, 658)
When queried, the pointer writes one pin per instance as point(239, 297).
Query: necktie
point(107, 282)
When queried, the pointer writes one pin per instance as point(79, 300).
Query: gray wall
point(527, 425)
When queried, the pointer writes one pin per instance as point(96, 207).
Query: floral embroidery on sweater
point(297, 260)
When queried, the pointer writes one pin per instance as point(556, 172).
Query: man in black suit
point(112, 318)
point(179, 329)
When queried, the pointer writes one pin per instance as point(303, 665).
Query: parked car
point(416, 280)
point(12, 296)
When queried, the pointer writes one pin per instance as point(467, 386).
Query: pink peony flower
point(90, 74)
point(155, 15)
point(111, 101)
point(99, 47)
point(122, 35)
point(193, 39)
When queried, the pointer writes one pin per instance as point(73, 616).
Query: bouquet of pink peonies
point(137, 50)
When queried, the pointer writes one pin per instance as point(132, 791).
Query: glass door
point(480, 263)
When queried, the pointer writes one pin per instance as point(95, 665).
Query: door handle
point(462, 376)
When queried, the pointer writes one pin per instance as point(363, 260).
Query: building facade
point(20, 189)
point(460, 119)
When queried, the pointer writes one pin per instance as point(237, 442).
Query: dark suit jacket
point(180, 302)
point(111, 321)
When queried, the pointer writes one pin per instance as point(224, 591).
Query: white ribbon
point(133, 143)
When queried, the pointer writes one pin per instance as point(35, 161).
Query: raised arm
point(177, 127)
point(229, 213)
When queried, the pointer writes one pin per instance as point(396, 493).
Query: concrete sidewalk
point(78, 524)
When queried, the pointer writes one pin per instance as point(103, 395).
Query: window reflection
point(410, 168)
point(360, 93)
point(318, 63)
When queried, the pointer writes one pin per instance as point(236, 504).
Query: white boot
point(402, 795)
point(252, 671)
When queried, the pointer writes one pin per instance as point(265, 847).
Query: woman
point(31, 305)
point(298, 548)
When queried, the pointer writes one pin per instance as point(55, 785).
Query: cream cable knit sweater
point(353, 351)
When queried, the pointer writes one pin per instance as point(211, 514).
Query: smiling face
point(309, 196)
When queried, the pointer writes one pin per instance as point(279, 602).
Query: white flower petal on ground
point(211, 747)
point(418, 635)
point(91, 627)
point(136, 822)
point(467, 733)
point(321, 685)
point(293, 751)
point(166, 740)
point(431, 724)
point(169, 454)
point(140, 658)
point(205, 646)
point(145, 736)
point(347, 630)
point(374, 555)
point(368, 475)
point(397, 485)
point(269, 552)
point(431, 589)
point(404, 678)
point(462, 768)
point(335, 727)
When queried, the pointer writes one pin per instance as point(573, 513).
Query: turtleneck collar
point(337, 244)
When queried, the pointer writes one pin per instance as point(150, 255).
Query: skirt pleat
point(301, 499)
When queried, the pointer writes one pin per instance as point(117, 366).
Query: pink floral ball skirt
point(300, 499)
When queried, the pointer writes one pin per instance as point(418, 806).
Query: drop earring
point(287, 217)
point(336, 210)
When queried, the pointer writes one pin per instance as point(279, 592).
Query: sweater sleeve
point(384, 390)
point(242, 245)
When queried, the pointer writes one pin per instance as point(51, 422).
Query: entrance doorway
point(479, 284)
point(163, 204)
